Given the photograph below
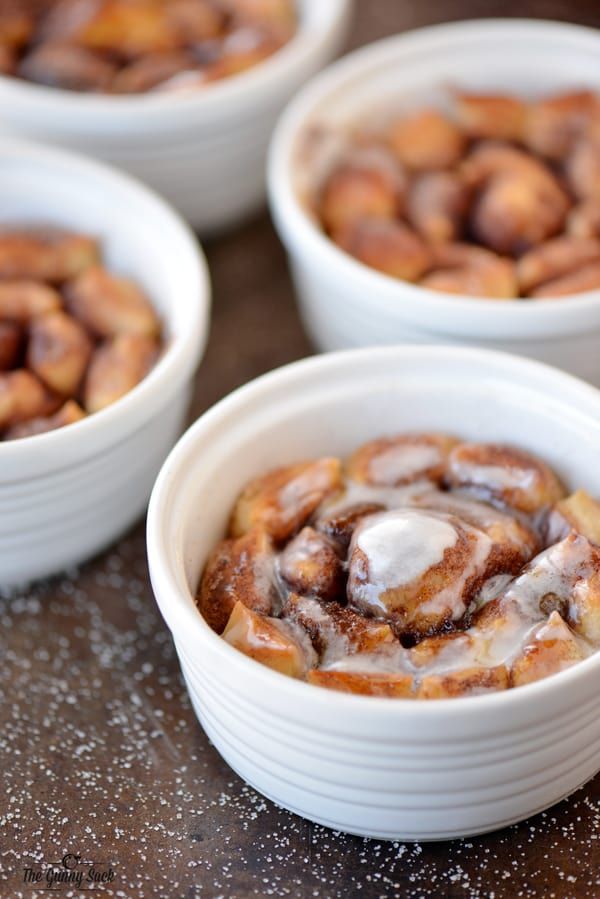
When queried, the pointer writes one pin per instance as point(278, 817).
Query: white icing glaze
point(450, 601)
point(463, 506)
point(402, 462)
point(263, 573)
point(553, 629)
point(401, 546)
point(313, 480)
point(495, 477)
point(554, 570)
point(493, 587)
point(356, 494)
point(301, 549)
point(392, 659)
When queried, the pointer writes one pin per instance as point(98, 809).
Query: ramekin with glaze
point(393, 768)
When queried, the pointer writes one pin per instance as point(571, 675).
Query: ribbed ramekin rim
point(297, 227)
point(182, 616)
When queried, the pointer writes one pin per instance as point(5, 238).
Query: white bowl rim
point(292, 216)
point(181, 614)
point(244, 87)
point(186, 346)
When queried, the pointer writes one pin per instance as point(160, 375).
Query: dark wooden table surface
point(100, 753)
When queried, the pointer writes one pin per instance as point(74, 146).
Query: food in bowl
point(74, 337)
point(499, 197)
point(135, 46)
point(422, 567)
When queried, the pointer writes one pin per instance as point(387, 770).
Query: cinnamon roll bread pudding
point(74, 336)
point(421, 567)
point(496, 197)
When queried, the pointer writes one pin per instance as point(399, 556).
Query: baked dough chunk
point(396, 686)
point(417, 569)
point(513, 542)
point(282, 500)
point(466, 682)
point(564, 578)
point(267, 640)
point(552, 648)
point(505, 475)
point(395, 461)
point(310, 565)
point(337, 632)
point(239, 570)
point(579, 512)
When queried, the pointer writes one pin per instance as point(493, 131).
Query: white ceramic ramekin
point(377, 767)
point(66, 494)
point(343, 302)
point(204, 151)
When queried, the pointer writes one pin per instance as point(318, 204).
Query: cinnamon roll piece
point(22, 396)
point(555, 258)
point(386, 245)
point(68, 414)
point(491, 116)
point(241, 570)
point(427, 140)
point(269, 641)
point(465, 269)
point(466, 682)
point(584, 220)
point(513, 543)
point(339, 524)
point(515, 212)
point(437, 205)
point(579, 512)
point(444, 652)
point(395, 686)
point(369, 184)
point(23, 300)
point(579, 281)
point(282, 500)
point(110, 305)
point(67, 67)
point(342, 637)
point(521, 202)
point(552, 648)
point(564, 578)
point(310, 565)
point(396, 461)
point(59, 351)
point(45, 254)
point(583, 165)
point(554, 124)
point(505, 475)
point(417, 569)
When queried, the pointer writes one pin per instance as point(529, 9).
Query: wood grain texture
point(101, 753)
